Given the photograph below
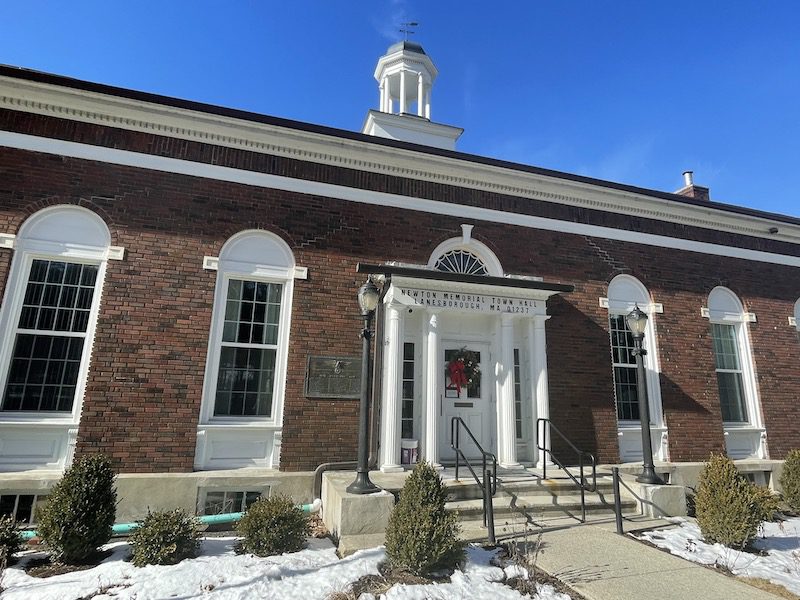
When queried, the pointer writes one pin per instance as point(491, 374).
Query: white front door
point(466, 383)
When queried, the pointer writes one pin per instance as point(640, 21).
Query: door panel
point(472, 400)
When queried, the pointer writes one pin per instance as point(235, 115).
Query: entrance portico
point(496, 325)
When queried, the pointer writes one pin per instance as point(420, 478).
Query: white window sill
point(229, 424)
point(32, 418)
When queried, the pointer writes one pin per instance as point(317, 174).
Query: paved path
point(602, 565)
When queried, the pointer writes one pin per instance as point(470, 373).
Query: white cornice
point(136, 115)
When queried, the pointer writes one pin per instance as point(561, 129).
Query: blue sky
point(634, 92)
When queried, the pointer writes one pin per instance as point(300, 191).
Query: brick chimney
point(691, 190)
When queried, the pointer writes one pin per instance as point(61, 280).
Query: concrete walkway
point(601, 565)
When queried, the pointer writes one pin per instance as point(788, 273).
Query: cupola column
point(428, 103)
point(420, 95)
point(403, 106)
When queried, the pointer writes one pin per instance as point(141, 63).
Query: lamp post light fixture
point(637, 323)
point(368, 301)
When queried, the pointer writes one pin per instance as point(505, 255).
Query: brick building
point(179, 293)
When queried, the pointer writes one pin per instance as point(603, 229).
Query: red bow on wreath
point(457, 376)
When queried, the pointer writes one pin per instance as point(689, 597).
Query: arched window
point(466, 256)
point(732, 358)
point(460, 261)
point(797, 315)
point(246, 367)
point(624, 293)
point(50, 309)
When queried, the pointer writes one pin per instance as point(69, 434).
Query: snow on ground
point(218, 573)
point(780, 543)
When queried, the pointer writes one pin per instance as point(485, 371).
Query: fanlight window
point(461, 261)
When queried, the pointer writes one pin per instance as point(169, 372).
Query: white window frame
point(633, 293)
point(795, 320)
point(725, 308)
point(625, 292)
point(54, 234)
point(237, 266)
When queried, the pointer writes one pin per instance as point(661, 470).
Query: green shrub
point(766, 503)
point(271, 526)
point(422, 537)
point(730, 509)
point(790, 480)
point(165, 538)
point(77, 517)
point(10, 542)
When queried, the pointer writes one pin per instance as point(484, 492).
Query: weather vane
point(407, 28)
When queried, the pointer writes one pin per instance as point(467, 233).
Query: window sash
point(248, 348)
point(407, 392)
point(518, 429)
point(44, 368)
point(730, 377)
point(624, 370)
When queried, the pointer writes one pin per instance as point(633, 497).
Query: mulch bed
point(44, 567)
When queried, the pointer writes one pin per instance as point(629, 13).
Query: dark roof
point(419, 273)
point(69, 82)
point(405, 45)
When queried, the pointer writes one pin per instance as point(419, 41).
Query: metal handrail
point(543, 446)
point(489, 484)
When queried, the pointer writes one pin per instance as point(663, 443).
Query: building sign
point(477, 303)
point(333, 377)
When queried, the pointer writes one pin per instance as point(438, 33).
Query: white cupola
point(405, 76)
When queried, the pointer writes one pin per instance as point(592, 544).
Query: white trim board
point(264, 180)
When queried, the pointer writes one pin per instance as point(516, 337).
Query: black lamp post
point(368, 301)
point(637, 323)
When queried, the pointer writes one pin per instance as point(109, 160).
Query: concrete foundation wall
point(139, 492)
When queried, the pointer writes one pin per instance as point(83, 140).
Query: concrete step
point(536, 506)
point(468, 489)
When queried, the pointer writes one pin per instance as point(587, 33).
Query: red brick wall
point(143, 394)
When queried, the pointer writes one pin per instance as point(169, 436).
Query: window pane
point(729, 373)
point(43, 375)
point(215, 502)
point(517, 396)
point(624, 369)
point(407, 387)
point(731, 397)
point(725, 346)
point(245, 382)
point(68, 286)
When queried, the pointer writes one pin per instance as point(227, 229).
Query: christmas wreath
point(463, 370)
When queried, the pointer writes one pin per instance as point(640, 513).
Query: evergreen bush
point(165, 538)
point(766, 503)
point(730, 509)
point(422, 537)
point(272, 526)
point(77, 517)
point(10, 542)
point(790, 480)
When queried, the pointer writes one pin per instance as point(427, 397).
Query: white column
point(539, 373)
point(506, 438)
point(382, 106)
point(420, 95)
point(428, 103)
point(390, 415)
point(531, 390)
point(432, 398)
point(402, 92)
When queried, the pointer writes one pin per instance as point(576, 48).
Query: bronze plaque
point(333, 377)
